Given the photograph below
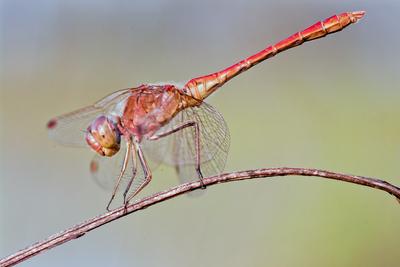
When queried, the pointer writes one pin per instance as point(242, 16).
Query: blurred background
point(330, 104)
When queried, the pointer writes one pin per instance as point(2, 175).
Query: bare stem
point(82, 228)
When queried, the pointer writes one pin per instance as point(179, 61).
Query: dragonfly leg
point(121, 174)
point(197, 141)
point(134, 171)
point(146, 170)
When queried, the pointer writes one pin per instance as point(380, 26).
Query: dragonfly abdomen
point(203, 86)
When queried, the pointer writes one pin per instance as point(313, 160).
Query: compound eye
point(103, 136)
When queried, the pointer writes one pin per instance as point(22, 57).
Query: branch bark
point(91, 224)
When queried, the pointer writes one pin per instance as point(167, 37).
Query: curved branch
point(81, 229)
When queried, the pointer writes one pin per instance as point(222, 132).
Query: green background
point(330, 104)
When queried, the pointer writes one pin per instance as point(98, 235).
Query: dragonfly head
point(103, 136)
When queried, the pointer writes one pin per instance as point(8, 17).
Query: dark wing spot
point(94, 166)
point(51, 124)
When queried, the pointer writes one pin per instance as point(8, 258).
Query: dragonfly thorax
point(149, 107)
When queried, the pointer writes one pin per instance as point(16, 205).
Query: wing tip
point(51, 124)
point(94, 167)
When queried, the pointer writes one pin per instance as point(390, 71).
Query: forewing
point(179, 149)
point(69, 129)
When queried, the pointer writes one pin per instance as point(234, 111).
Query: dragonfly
point(167, 123)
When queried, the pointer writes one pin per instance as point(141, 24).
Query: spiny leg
point(134, 171)
point(197, 141)
point(121, 174)
point(146, 170)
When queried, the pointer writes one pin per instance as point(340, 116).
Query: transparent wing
point(178, 149)
point(69, 129)
point(105, 170)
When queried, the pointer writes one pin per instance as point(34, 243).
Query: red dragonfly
point(167, 123)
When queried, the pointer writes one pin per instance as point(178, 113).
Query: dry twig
point(81, 229)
